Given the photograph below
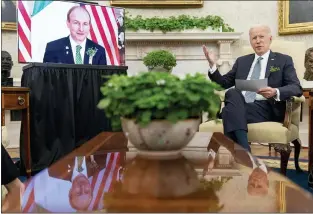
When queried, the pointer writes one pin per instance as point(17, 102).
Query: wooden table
point(17, 98)
point(127, 181)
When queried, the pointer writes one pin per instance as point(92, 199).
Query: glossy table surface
point(104, 176)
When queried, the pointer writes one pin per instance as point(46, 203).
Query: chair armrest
point(298, 99)
point(291, 105)
point(221, 94)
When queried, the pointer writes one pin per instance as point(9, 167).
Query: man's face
point(81, 193)
point(258, 183)
point(260, 40)
point(6, 61)
point(79, 24)
point(309, 62)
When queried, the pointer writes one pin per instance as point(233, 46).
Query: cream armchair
point(278, 135)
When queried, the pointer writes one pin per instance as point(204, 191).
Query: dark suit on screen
point(60, 51)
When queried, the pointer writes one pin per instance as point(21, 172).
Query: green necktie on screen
point(78, 59)
point(80, 160)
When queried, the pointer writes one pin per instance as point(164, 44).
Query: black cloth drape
point(63, 109)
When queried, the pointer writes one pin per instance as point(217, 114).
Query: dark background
point(300, 11)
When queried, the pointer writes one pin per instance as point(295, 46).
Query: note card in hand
point(250, 85)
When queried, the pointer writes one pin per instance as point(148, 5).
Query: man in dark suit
point(76, 48)
point(244, 107)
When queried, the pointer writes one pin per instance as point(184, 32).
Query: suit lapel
point(271, 62)
point(247, 66)
point(68, 51)
point(86, 57)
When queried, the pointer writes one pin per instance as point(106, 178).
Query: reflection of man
point(6, 66)
point(244, 107)
point(258, 181)
point(76, 48)
point(68, 181)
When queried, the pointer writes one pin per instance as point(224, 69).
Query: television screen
point(70, 33)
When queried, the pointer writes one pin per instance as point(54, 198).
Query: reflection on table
point(119, 181)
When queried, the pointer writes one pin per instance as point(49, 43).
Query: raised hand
point(209, 55)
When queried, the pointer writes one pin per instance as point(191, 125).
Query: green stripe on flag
point(39, 6)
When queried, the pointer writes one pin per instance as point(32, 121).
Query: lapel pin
point(272, 59)
point(67, 48)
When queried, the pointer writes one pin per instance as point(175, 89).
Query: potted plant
point(176, 24)
point(158, 111)
point(160, 60)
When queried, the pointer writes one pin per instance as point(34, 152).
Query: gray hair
point(267, 28)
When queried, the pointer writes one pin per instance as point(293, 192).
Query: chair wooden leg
point(284, 150)
point(301, 112)
point(297, 145)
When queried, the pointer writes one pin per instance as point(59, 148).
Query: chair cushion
point(266, 132)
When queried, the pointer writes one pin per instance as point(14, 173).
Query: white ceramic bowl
point(160, 135)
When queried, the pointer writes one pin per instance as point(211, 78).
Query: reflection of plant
point(214, 183)
point(205, 198)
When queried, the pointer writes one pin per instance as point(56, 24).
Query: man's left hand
point(267, 92)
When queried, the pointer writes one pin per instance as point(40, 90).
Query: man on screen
point(76, 48)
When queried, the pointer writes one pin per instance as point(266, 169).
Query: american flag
point(101, 182)
point(104, 30)
point(24, 31)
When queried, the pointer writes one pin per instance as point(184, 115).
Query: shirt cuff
point(213, 69)
point(277, 97)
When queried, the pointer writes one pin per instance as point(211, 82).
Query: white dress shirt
point(75, 170)
point(52, 193)
point(262, 164)
point(262, 74)
point(82, 50)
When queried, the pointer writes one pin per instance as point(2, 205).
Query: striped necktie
point(80, 160)
point(78, 55)
point(251, 95)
